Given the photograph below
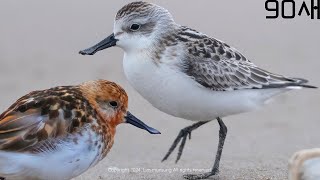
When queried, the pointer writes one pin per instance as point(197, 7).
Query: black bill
point(131, 119)
point(106, 43)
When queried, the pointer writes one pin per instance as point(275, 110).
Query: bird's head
point(111, 103)
point(137, 26)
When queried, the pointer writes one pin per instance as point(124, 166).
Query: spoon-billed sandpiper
point(61, 132)
point(188, 74)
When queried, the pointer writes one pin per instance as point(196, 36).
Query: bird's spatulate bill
point(106, 43)
point(131, 119)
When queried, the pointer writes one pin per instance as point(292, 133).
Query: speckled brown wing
point(39, 116)
point(218, 66)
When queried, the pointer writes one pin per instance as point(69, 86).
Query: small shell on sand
point(305, 165)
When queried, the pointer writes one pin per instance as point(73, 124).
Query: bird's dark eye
point(113, 104)
point(135, 27)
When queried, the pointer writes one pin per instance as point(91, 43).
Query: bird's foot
point(182, 136)
point(212, 175)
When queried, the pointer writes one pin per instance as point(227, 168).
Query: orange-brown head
point(111, 102)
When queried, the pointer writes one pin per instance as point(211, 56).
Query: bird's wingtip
point(302, 83)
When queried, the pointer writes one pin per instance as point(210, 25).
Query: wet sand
point(39, 44)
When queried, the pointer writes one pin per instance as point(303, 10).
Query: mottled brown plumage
point(66, 109)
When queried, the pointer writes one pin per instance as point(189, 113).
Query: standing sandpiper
point(188, 74)
point(61, 132)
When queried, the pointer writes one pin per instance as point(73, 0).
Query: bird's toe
point(210, 175)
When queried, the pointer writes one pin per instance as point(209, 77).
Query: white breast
point(70, 160)
point(175, 93)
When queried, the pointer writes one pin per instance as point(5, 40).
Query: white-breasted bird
point(188, 74)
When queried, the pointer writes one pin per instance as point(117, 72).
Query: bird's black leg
point(215, 170)
point(184, 133)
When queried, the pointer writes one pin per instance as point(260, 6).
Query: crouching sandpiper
point(61, 132)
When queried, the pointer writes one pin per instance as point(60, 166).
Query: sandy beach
point(39, 44)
